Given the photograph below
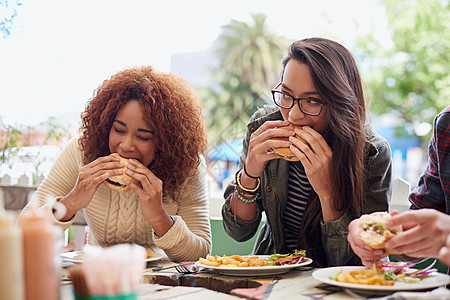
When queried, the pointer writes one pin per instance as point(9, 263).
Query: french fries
point(364, 277)
point(234, 261)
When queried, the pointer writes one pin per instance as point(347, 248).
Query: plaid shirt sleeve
point(433, 188)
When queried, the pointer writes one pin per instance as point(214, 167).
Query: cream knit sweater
point(115, 217)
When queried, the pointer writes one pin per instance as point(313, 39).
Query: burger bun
point(285, 152)
point(116, 182)
point(373, 231)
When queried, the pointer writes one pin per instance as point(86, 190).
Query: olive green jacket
point(273, 196)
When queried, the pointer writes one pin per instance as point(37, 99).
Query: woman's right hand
point(258, 154)
point(88, 181)
point(261, 144)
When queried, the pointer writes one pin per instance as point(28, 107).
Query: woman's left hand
point(316, 157)
point(149, 189)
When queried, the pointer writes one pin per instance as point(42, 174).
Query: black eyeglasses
point(309, 106)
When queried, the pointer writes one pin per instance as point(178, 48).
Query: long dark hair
point(336, 78)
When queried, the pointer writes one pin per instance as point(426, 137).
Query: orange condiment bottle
point(39, 239)
point(11, 266)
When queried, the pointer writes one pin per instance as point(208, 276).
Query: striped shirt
point(299, 190)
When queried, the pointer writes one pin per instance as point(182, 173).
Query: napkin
point(115, 270)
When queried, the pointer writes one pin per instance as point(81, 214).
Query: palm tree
point(251, 53)
point(250, 64)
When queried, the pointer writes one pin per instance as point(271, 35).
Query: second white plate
point(436, 280)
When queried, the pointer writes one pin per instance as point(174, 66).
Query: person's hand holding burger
point(368, 234)
point(261, 144)
point(149, 189)
point(90, 177)
point(286, 152)
point(118, 182)
point(316, 156)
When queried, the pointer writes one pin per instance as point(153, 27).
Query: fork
point(181, 268)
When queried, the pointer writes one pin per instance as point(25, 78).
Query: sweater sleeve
point(59, 182)
point(190, 236)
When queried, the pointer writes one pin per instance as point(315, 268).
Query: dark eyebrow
point(139, 129)
point(307, 93)
point(286, 87)
point(121, 123)
point(146, 131)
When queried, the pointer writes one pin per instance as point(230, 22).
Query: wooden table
point(296, 284)
point(169, 284)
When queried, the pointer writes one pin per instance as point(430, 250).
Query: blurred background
point(54, 54)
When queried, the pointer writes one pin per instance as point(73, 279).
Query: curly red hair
point(169, 105)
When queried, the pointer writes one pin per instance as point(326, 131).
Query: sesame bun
point(285, 152)
point(116, 183)
point(374, 233)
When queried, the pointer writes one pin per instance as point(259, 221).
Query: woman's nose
point(295, 113)
point(127, 144)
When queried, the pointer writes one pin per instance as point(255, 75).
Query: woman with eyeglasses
point(343, 170)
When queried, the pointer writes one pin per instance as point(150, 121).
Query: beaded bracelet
point(245, 200)
point(238, 182)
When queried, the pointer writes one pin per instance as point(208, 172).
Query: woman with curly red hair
point(155, 121)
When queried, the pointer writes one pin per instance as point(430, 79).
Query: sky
point(59, 52)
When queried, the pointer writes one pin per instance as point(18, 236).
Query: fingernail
point(305, 127)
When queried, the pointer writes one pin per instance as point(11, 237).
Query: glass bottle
point(39, 248)
point(11, 265)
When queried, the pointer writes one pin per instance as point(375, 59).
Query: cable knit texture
point(115, 217)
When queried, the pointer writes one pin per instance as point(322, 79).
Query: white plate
point(77, 256)
point(436, 280)
point(255, 271)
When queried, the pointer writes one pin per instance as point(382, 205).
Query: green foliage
point(250, 63)
point(9, 140)
point(8, 11)
point(411, 78)
point(55, 130)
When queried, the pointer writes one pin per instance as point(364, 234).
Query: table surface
point(296, 284)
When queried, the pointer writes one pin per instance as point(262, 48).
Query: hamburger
point(285, 152)
point(116, 183)
point(374, 233)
